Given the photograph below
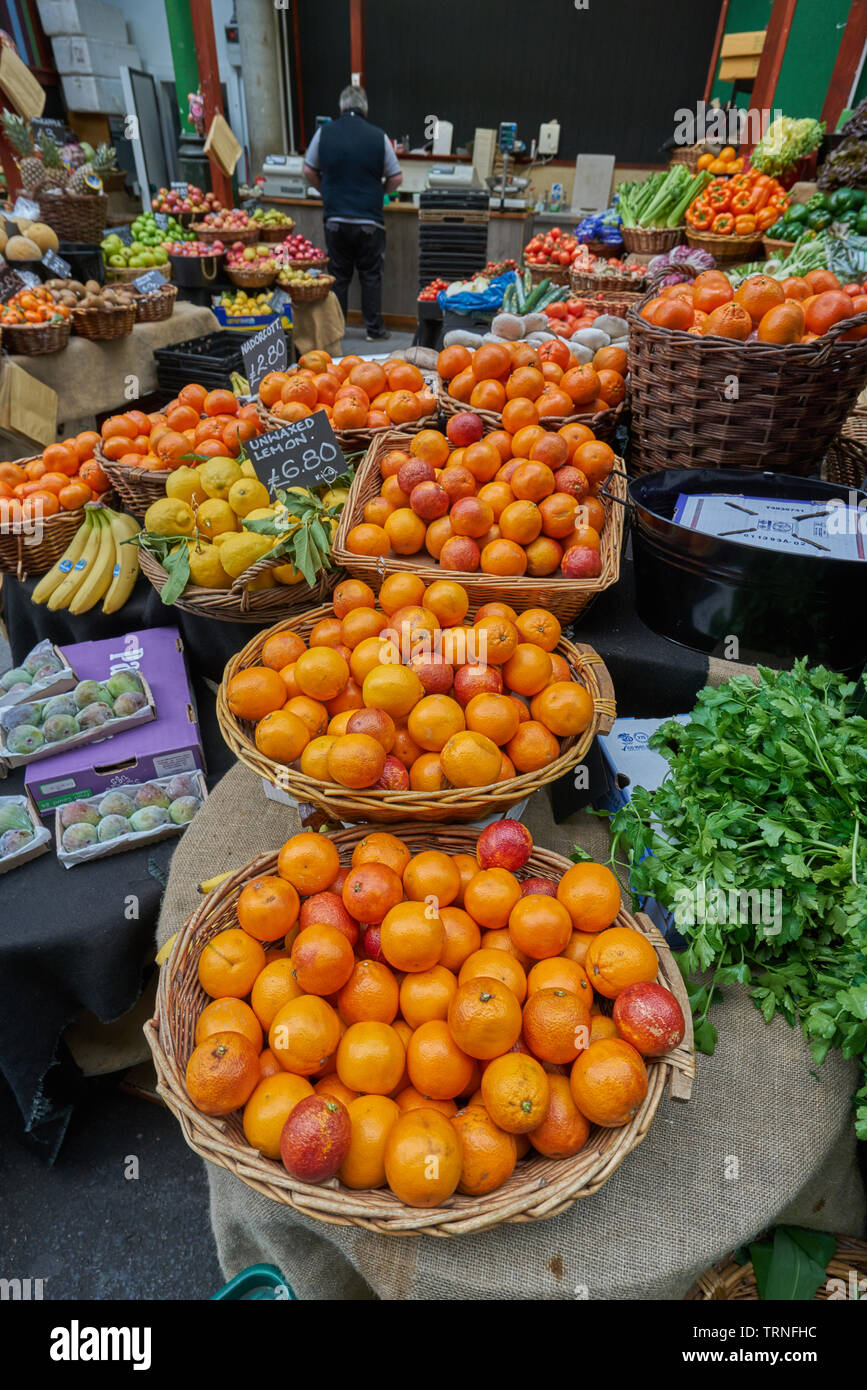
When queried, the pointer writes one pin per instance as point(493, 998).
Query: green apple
point(116, 260)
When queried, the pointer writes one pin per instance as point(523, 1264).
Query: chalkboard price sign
point(11, 283)
point(300, 455)
point(182, 188)
point(150, 282)
point(162, 220)
point(57, 265)
point(265, 352)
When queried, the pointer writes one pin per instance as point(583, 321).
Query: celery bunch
point(662, 200)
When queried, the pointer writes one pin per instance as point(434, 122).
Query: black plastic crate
point(473, 199)
point(214, 352)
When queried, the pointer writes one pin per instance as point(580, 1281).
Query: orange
point(528, 669)
point(367, 539)
point(519, 413)
point(253, 693)
point(591, 895)
point(619, 957)
point(564, 707)
point(426, 774)
point(412, 937)
point(521, 522)
point(452, 360)
point(268, 908)
point(515, 1092)
point(423, 1156)
point(400, 590)
point(229, 964)
point(370, 995)
point(360, 624)
point(372, 1118)
point(447, 600)
point(366, 657)
point(356, 760)
point(533, 747)
point(579, 943)
point(332, 1086)
point(490, 897)
point(282, 649)
point(564, 1130)
point(396, 689)
point(601, 1026)
point(728, 321)
point(489, 1153)
point(268, 1109)
point(467, 866)
point(314, 758)
point(370, 890)
point(282, 736)
point(222, 1073)
point(411, 1099)
point(484, 1017)
point(434, 720)
point(540, 627)
point(274, 986)
point(540, 926)
point(321, 673)
point(462, 935)
point(405, 531)
point(437, 1066)
point(304, 1034)
point(498, 939)
point(322, 958)
point(432, 875)
point(559, 972)
point(427, 995)
point(470, 759)
point(370, 1058)
point(556, 1025)
point(490, 963)
point(312, 713)
point(229, 1016)
point(432, 446)
point(268, 1064)
point(493, 715)
point(758, 294)
point(609, 1082)
point(309, 862)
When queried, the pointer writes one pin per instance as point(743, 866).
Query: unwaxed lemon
point(247, 494)
point(205, 567)
point(261, 513)
point(185, 484)
point(240, 551)
point(247, 469)
point(170, 517)
point(335, 497)
point(287, 574)
point(218, 475)
point(214, 517)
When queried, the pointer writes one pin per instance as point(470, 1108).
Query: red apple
point(581, 562)
point(476, 680)
point(505, 844)
point(464, 428)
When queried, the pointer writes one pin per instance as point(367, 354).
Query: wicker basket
point(136, 487)
point(311, 292)
point(238, 604)
point(271, 235)
point(603, 423)
point(731, 1282)
point(321, 264)
point(36, 339)
point(557, 274)
point(617, 302)
point(538, 1188)
point(565, 598)
point(204, 232)
point(725, 248)
point(102, 325)
point(688, 155)
point(792, 400)
point(582, 283)
point(845, 463)
point(154, 307)
point(384, 807)
point(75, 216)
point(775, 248)
point(651, 241)
point(21, 559)
point(132, 272)
point(251, 279)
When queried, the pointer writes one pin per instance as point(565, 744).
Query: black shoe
point(377, 337)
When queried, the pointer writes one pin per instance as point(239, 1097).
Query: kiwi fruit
point(92, 286)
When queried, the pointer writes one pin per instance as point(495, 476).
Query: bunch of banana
point(95, 565)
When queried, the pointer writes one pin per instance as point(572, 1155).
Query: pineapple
point(102, 162)
point(54, 174)
point(20, 135)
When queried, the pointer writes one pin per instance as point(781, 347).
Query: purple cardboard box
point(169, 744)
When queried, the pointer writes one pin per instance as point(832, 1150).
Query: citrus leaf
point(177, 566)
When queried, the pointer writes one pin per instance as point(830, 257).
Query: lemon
point(185, 484)
point(247, 494)
point(223, 536)
point(335, 497)
point(261, 514)
point(287, 574)
point(205, 567)
point(170, 516)
point(215, 516)
point(218, 475)
point(248, 470)
point(264, 581)
point(240, 551)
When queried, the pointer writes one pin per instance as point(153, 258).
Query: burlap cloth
point(318, 325)
point(765, 1136)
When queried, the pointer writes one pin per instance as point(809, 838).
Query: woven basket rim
point(829, 342)
point(130, 471)
point(240, 605)
point(729, 1281)
point(528, 1195)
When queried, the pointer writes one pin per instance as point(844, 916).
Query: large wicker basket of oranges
point(342, 1113)
point(526, 568)
point(378, 736)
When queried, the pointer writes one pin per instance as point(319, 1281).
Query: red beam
point(771, 61)
point(717, 45)
point(209, 74)
point(846, 66)
point(299, 83)
point(356, 38)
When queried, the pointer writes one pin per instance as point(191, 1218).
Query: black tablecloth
point(73, 939)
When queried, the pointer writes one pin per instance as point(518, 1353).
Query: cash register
point(284, 177)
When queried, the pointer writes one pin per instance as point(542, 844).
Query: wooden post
point(209, 73)
point(846, 66)
point(717, 45)
point(10, 168)
point(356, 39)
point(771, 61)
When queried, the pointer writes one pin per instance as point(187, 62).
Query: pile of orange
point(209, 424)
point(400, 693)
point(448, 1004)
point(505, 504)
point(526, 384)
point(63, 478)
point(354, 393)
point(797, 309)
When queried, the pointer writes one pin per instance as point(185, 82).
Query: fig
point(116, 804)
point(110, 827)
point(79, 813)
point(79, 836)
point(148, 818)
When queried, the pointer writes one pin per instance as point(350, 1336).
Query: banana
point(97, 580)
point(64, 591)
point(126, 561)
point(62, 567)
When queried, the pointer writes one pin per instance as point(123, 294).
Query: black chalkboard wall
point(613, 74)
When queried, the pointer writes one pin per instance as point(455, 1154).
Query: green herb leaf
point(177, 565)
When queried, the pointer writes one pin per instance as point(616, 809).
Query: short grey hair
point(354, 99)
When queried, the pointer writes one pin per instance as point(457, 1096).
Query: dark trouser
point(353, 247)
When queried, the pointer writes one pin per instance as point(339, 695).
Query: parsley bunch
point(765, 802)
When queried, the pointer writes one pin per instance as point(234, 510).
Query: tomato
point(859, 306)
point(827, 308)
point(557, 310)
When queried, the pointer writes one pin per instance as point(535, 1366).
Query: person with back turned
point(352, 163)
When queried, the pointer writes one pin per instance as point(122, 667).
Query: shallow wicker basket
point(582, 283)
point(617, 302)
point(725, 248)
point(773, 247)
point(845, 463)
point(204, 232)
point(132, 272)
point(688, 155)
point(557, 274)
point(75, 216)
point(136, 487)
point(154, 307)
point(102, 325)
point(538, 1188)
point(384, 807)
point(21, 559)
point(791, 402)
point(565, 598)
point(238, 604)
point(252, 279)
point(321, 264)
point(731, 1282)
point(603, 424)
point(651, 241)
point(36, 339)
point(270, 235)
point(311, 292)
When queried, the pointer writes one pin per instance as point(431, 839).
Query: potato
point(611, 324)
point(590, 337)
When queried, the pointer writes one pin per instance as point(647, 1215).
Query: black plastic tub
point(701, 591)
point(85, 261)
point(196, 272)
